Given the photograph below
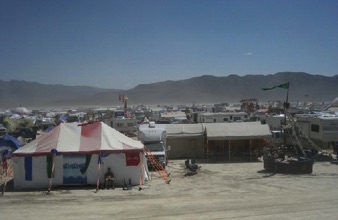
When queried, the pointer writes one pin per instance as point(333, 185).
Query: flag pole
point(287, 96)
point(286, 106)
point(98, 173)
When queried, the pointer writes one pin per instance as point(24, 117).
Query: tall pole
point(229, 150)
point(125, 104)
point(286, 107)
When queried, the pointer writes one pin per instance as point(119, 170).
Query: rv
point(223, 117)
point(321, 130)
point(116, 120)
point(153, 136)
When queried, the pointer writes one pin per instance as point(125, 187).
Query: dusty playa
point(218, 191)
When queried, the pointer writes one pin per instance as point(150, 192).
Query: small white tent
point(186, 140)
point(79, 154)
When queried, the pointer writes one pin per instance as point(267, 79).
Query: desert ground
point(217, 191)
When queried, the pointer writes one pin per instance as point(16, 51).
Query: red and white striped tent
point(74, 138)
point(74, 147)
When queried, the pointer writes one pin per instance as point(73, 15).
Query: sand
point(217, 191)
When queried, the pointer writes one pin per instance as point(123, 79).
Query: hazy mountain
point(203, 89)
point(15, 93)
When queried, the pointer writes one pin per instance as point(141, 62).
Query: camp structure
point(79, 154)
point(185, 140)
point(242, 140)
point(8, 144)
point(217, 141)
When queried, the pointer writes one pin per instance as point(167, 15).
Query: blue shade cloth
point(54, 151)
point(100, 158)
point(28, 168)
point(10, 141)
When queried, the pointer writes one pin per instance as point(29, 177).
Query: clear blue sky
point(120, 44)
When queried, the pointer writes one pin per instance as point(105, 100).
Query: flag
point(283, 86)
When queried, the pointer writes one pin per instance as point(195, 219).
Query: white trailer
point(153, 136)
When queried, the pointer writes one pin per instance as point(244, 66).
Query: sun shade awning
point(237, 131)
point(184, 130)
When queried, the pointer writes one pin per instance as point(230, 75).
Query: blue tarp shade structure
point(63, 118)
point(9, 141)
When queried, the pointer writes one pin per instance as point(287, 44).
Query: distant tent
point(81, 155)
point(13, 123)
point(333, 107)
point(22, 110)
point(64, 118)
point(9, 144)
point(335, 102)
point(16, 116)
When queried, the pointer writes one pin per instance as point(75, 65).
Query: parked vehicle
point(154, 138)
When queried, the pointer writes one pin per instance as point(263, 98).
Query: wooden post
point(250, 151)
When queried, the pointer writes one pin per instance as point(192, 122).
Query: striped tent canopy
point(74, 138)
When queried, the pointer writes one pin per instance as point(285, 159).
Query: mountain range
point(202, 89)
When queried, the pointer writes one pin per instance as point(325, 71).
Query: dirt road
point(218, 191)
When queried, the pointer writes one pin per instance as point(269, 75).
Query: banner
point(28, 168)
point(132, 159)
point(72, 166)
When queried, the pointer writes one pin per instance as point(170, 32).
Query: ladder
point(157, 166)
point(315, 146)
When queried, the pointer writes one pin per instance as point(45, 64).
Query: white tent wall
point(185, 140)
point(117, 163)
point(39, 173)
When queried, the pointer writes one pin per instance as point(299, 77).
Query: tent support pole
point(229, 149)
point(250, 151)
point(52, 175)
point(98, 175)
point(208, 151)
point(142, 171)
point(223, 147)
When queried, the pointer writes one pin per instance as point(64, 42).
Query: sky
point(119, 44)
